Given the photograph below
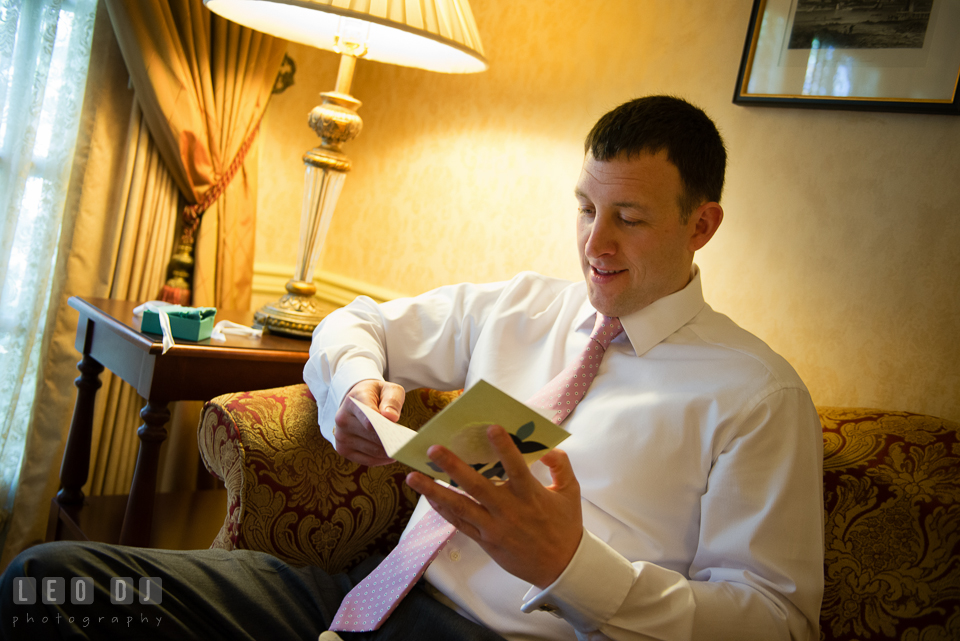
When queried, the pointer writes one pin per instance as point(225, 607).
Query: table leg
point(76, 457)
point(138, 518)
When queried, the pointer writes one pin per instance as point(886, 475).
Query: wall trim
point(270, 279)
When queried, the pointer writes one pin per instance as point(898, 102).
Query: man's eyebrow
point(622, 204)
point(629, 204)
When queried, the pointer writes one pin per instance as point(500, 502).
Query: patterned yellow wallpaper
point(839, 246)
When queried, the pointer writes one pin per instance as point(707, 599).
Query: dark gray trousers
point(206, 594)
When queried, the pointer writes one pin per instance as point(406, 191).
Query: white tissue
point(234, 329)
point(158, 307)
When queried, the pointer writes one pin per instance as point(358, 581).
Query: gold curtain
point(204, 83)
point(119, 225)
point(148, 206)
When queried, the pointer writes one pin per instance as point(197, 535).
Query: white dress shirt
point(697, 448)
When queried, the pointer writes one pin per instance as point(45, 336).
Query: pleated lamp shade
point(436, 35)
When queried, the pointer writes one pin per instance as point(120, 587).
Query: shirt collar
point(651, 325)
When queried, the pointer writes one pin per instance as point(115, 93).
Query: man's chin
point(614, 305)
point(606, 305)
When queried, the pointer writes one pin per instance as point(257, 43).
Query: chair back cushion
point(891, 487)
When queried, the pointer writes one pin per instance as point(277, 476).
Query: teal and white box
point(189, 323)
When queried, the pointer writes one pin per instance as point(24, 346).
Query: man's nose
point(602, 239)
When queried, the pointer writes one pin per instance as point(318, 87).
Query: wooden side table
point(108, 336)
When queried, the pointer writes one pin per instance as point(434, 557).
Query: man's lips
point(606, 272)
point(604, 276)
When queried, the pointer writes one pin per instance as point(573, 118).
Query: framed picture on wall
point(876, 55)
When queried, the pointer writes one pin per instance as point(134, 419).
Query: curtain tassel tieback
point(178, 288)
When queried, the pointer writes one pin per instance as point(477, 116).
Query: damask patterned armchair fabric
point(288, 491)
point(891, 494)
point(891, 487)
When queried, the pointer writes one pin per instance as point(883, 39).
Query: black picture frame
point(867, 73)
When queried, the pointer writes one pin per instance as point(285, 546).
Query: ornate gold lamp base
point(336, 121)
point(297, 312)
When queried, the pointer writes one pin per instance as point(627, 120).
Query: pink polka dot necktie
point(371, 601)
point(562, 394)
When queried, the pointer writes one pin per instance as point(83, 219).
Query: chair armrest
point(289, 493)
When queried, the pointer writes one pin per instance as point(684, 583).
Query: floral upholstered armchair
point(891, 494)
point(288, 491)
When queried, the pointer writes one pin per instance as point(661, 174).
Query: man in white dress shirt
point(687, 502)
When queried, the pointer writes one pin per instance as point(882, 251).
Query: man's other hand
point(530, 530)
point(356, 438)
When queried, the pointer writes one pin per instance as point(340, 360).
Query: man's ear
point(703, 224)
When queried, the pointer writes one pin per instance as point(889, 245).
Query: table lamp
point(437, 35)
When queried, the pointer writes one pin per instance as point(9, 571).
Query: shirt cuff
point(348, 374)
point(590, 589)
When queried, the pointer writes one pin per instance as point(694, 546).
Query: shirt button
point(455, 555)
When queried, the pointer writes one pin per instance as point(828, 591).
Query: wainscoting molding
point(269, 279)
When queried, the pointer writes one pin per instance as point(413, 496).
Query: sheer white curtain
point(44, 51)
